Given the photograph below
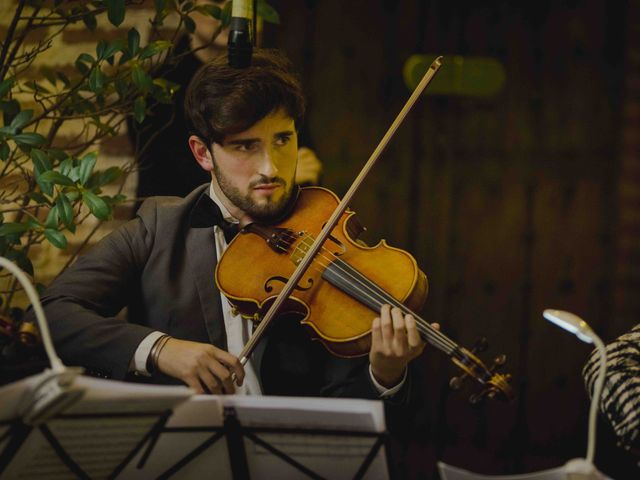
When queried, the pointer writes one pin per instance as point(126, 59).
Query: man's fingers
point(223, 375)
point(232, 363)
point(210, 383)
point(386, 325)
point(194, 384)
point(376, 333)
point(413, 336)
point(399, 330)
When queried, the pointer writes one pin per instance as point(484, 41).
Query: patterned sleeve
point(621, 393)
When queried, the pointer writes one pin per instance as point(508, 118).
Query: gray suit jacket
point(162, 268)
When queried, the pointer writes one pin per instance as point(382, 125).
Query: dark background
point(511, 204)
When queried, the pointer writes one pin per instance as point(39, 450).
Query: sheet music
point(97, 446)
point(108, 396)
point(346, 454)
point(343, 414)
point(327, 413)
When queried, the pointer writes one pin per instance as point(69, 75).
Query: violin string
point(432, 334)
point(385, 297)
point(374, 292)
point(379, 295)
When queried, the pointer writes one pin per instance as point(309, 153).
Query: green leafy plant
point(49, 182)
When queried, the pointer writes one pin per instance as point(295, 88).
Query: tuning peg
point(499, 361)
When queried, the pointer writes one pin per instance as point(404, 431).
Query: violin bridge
point(302, 248)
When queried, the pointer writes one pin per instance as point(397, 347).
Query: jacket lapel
point(201, 259)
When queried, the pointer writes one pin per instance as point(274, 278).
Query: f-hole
point(269, 288)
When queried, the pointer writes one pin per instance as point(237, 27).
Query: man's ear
point(201, 152)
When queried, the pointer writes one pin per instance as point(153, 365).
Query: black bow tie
point(206, 213)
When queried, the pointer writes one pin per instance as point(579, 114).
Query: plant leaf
point(268, 13)
point(86, 166)
point(6, 86)
point(112, 48)
point(154, 48)
point(65, 166)
point(46, 187)
point(21, 119)
point(110, 175)
point(189, 24)
point(4, 151)
point(19, 257)
point(86, 58)
point(90, 21)
point(133, 41)
point(57, 178)
point(225, 17)
point(115, 11)
point(49, 75)
point(73, 195)
point(139, 107)
point(212, 10)
point(12, 228)
point(74, 174)
point(96, 80)
point(100, 48)
point(56, 238)
point(29, 139)
point(97, 205)
point(24, 263)
point(41, 162)
point(38, 197)
point(140, 78)
point(53, 218)
point(65, 210)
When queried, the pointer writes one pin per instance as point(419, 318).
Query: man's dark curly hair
point(223, 100)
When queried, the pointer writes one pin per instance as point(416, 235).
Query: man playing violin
point(160, 264)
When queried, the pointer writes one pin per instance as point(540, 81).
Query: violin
point(310, 263)
point(343, 289)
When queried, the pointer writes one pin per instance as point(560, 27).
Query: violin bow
point(305, 262)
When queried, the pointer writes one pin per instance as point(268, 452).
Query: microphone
point(240, 43)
